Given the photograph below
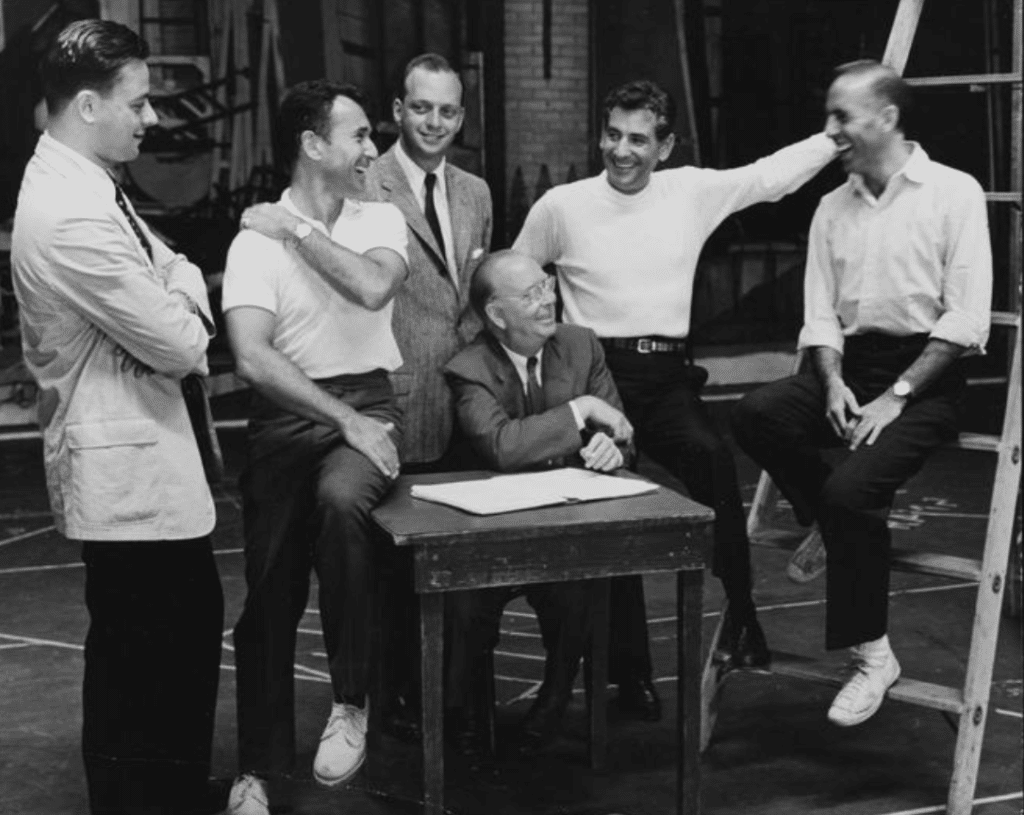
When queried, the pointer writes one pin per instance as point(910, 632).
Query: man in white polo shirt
point(625, 245)
point(317, 347)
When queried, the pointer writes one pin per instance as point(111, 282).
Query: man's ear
point(665, 147)
point(309, 143)
point(86, 102)
point(495, 315)
point(891, 117)
point(396, 110)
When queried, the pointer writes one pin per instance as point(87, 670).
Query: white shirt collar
point(93, 172)
point(917, 169)
point(416, 175)
point(519, 363)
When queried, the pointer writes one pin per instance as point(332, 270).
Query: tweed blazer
point(432, 318)
point(491, 406)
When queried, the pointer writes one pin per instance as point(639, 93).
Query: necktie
point(122, 204)
point(431, 211)
point(534, 392)
point(193, 388)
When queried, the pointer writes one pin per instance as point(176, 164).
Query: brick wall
point(547, 120)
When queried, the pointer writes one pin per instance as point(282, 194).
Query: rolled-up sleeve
point(821, 322)
point(539, 236)
point(967, 277)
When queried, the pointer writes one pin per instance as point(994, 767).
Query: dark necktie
point(431, 211)
point(534, 392)
point(193, 389)
point(122, 203)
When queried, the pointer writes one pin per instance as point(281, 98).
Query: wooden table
point(656, 532)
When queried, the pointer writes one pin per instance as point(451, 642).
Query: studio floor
point(773, 751)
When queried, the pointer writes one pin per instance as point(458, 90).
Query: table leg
point(599, 676)
point(689, 591)
point(431, 691)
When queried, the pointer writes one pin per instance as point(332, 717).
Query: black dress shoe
point(638, 699)
point(742, 645)
point(402, 721)
point(541, 725)
point(466, 735)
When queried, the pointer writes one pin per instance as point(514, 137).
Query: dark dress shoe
point(541, 725)
point(402, 721)
point(466, 735)
point(742, 645)
point(638, 699)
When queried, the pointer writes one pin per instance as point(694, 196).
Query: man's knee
point(748, 415)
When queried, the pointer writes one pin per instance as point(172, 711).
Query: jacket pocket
point(115, 472)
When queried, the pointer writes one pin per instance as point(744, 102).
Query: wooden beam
point(901, 37)
point(684, 60)
point(334, 51)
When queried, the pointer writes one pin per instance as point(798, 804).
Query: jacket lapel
point(556, 375)
point(506, 376)
point(396, 189)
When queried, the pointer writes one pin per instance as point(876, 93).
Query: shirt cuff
point(818, 334)
point(960, 329)
point(580, 424)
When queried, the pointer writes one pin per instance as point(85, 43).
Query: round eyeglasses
point(536, 294)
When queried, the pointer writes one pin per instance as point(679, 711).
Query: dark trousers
point(474, 619)
point(661, 394)
point(307, 498)
point(152, 663)
point(783, 427)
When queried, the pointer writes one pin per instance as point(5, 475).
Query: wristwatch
point(302, 230)
point(902, 389)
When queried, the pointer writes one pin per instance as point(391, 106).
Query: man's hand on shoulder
point(372, 438)
point(272, 220)
point(602, 416)
point(601, 454)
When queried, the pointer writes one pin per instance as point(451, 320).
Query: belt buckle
point(644, 345)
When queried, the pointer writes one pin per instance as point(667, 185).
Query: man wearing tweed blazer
point(448, 213)
point(448, 217)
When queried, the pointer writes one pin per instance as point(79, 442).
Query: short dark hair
point(886, 83)
point(87, 54)
point(434, 63)
point(642, 94)
point(307, 106)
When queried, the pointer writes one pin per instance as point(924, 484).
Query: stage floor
point(773, 752)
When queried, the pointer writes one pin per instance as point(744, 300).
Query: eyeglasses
point(536, 294)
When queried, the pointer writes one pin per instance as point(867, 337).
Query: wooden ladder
point(970, 702)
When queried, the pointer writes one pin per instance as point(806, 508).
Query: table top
point(412, 521)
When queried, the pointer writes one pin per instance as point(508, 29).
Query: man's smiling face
point(631, 149)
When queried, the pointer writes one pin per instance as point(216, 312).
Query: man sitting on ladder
point(898, 288)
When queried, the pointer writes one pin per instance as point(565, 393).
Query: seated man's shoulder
point(478, 356)
point(575, 336)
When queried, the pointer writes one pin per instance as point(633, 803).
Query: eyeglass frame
point(535, 294)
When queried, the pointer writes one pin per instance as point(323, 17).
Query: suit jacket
point(432, 319)
point(121, 458)
point(491, 406)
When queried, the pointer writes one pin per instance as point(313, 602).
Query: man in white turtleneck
point(625, 245)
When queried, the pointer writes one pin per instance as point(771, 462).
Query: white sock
point(875, 652)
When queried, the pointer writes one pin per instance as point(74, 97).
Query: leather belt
point(646, 345)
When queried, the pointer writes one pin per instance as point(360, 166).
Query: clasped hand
point(858, 425)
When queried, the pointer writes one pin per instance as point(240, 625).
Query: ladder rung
point(1008, 318)
point(1003, 197)
point(963, 79)
point(913, 691)
point(976, 441)
point(910, 560)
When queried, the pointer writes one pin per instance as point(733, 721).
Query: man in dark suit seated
point(529, 394)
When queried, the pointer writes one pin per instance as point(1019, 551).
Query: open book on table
point(507, 493)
